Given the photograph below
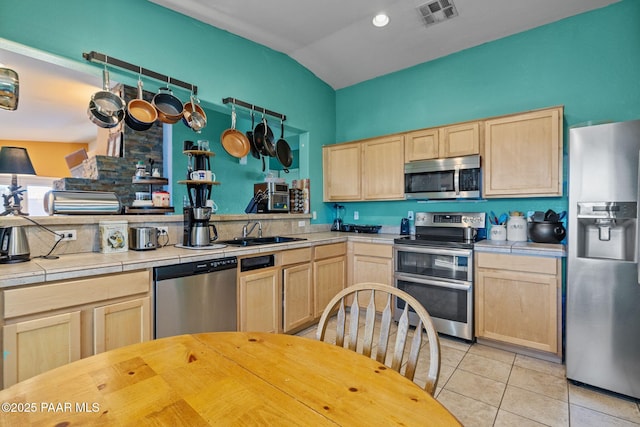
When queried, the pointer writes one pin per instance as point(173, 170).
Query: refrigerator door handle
point(637, 230)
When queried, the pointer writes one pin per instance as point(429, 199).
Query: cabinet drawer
point(373, 249)
point(295, 256)
point(328, 251)
point(524, 263)
point(37, 299)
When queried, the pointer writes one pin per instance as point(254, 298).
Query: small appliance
point(337, 221)
point(197, 229)
point(452, 178)
point(14, 246)
point(405, 229)
point(143, 238)
point(276, 197)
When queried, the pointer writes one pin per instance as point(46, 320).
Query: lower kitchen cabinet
point(48, 325)
point(35, 346)
point(297, 289)
point(329, 274)
point(518, 301)
point(371, 262)
point(120, 324)
point(259, 300)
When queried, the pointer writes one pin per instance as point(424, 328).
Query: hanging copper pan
point(235, 142)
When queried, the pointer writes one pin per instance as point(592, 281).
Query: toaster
point(143, 238)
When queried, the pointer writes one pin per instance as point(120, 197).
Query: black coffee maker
point(198, 231)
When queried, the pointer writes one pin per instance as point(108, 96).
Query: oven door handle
point(462, 286)
point(438, 251)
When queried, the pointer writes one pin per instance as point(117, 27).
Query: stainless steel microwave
point(452, 178)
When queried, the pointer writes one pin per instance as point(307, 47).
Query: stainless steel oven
point(436, 267)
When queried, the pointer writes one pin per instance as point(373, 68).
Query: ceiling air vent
point(437, 11)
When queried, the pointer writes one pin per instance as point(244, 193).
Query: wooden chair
point(385, 321)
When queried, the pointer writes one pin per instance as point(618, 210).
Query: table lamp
point(14, 160)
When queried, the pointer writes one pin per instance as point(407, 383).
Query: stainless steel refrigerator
point(603, 293)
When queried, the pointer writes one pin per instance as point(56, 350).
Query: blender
point(339, 214)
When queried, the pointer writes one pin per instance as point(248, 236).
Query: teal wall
point(220, 63)
point(589, 63)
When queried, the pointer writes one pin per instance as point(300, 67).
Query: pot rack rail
point(252, 107)
point(101, 58)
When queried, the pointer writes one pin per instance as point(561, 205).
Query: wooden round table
point(225, 378)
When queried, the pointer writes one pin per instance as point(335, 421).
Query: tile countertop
point(555, 250)
point(73, 266)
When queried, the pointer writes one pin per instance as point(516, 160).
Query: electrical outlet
point(356, 215)
point(163, 230)
point(65, 235)
point(301, 223)
point(314, 215)
point(410, 215)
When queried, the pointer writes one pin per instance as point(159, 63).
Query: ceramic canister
point(517, 229)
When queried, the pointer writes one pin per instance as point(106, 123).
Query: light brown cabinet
point(297, 288)
point(517, 301)
point(48, 325)
point(259, 300)
point(462, 139)
point(371, 262)
point(523, 155)
point(371, 169)
point(329, 274)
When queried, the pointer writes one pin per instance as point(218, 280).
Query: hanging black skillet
point(264, 138)
point(252, 143)
point(283, 151)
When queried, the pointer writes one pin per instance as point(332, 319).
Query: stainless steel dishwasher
point(195, 297)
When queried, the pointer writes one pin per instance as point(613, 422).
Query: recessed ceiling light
point(380, 20)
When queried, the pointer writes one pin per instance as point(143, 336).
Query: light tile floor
point(484, 386)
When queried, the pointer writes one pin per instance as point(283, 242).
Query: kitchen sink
point(255, 241)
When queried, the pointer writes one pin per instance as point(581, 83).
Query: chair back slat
point(369, 325)
point(412, 346)
point(385, 329)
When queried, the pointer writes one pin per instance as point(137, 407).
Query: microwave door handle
point(456, 181)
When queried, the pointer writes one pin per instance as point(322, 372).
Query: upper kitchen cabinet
point(371, 169)
point(523, 154)
point(462, 139)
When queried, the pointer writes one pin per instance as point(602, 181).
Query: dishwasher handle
point(194, 268)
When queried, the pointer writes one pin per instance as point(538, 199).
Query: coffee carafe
point(337, 221)
point(197, 229)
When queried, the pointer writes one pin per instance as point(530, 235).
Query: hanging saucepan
point(106, 109)
point(283, 151)
point(235, 142)
point(264, 138)
point(194, 115)
point(252, 143)
point(169, 107)
point(141, 114)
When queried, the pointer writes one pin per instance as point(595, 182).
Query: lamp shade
point(15, 160)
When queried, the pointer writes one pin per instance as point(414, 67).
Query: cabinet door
point(259, 303)
point(372, 269)
point(523, 155)
point(117, 325)
point(341, 169)
point(421, 145)
point(383, 168)
point(518, 308)
point(460, 140)
point(329, 278)
point(297, 289)
point(35, 346)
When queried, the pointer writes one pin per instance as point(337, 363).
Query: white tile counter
point(39, 270)
point(555, 250)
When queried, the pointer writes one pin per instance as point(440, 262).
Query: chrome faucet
point(246, 231)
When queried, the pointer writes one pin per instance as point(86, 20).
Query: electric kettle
point(14, 246)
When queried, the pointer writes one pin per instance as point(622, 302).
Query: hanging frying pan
point(264, 138)
point(283, 151)
point(106, 109)
point(141, 114)
point(170, 108)
point(254, 149)
point(233, 141)
point(194, 115)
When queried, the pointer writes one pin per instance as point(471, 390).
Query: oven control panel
point(450, 219)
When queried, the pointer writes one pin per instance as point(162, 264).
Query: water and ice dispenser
point(607, 230)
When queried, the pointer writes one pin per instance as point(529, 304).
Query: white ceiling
point(336, 40)
point(333, 38)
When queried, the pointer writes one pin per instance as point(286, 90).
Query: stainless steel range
point(436, 267)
